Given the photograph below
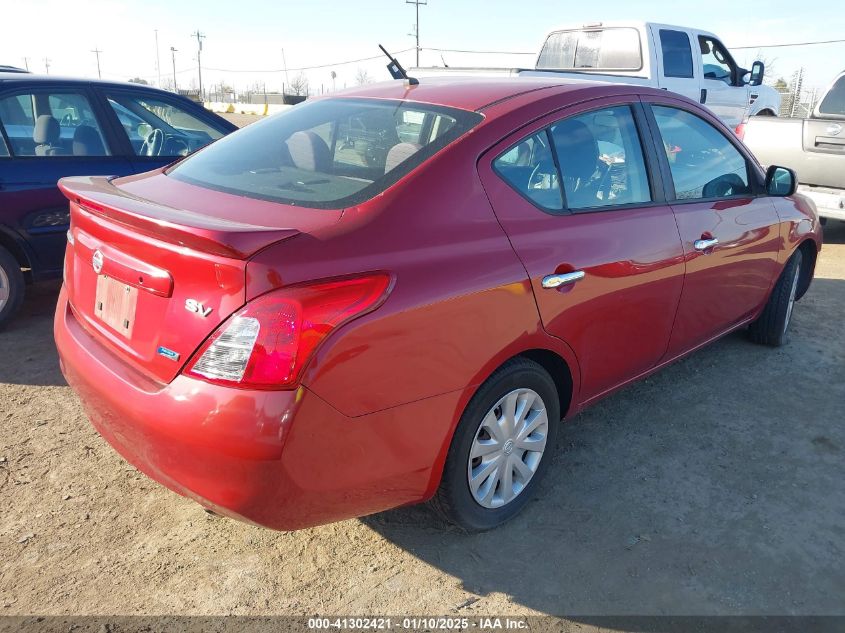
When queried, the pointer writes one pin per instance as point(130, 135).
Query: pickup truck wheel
point(772, 325)
point(501, 447)
point(11, 286)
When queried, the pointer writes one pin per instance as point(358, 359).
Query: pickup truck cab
point(687, 61)
point(813, 147)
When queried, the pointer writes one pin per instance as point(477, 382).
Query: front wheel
point(501, 447)
point(772, 325)
point(11, 286)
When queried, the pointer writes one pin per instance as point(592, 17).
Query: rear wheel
point(773, 324)
point(11, 286)
point(501, 447)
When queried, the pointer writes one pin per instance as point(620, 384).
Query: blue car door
point(49, 131)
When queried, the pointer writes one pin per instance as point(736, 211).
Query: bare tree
point(362, 77)
point(299, 85)
point(769, 63)
point(138, 80)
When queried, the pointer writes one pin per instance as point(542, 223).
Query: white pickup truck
point(691, 62)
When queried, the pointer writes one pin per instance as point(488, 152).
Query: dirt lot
point(714, 487)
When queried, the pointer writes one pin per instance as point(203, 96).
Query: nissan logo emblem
point(833, 129)
point(97, 262)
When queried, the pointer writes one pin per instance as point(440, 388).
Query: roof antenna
point(396, 71)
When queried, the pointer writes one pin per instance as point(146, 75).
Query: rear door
point(728, 227)
point(675, 62)
point(574, 194)
point(49, 133)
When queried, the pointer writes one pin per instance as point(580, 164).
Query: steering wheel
point(543, 167)
point(153, 144)
point(67, 120)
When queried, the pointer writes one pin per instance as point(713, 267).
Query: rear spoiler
point(98, 196)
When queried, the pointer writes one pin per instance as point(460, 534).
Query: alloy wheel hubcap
point(507, 448)
point(5, 288)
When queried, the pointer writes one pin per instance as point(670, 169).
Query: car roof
point(8, 78)
point(467, 93)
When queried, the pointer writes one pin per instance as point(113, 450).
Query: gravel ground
point(714, 487)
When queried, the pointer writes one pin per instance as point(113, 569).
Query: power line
point(281, 70)
point(458, 50)
point(790, 44)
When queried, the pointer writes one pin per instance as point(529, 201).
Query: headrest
point(577, 149)
point(46, 130)
point(87, 142)
point(399, 153)
point(309, 151)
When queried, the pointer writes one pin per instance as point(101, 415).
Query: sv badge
point(192, 305)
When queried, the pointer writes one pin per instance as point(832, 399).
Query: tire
point(519, 382)
point(772, 326)
point(12, 286)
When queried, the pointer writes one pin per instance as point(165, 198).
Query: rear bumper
point(280, 459)
point(830, 203)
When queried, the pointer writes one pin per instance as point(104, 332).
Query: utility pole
point(173, 57)
point(97, 52)
point(158, 61)
point(200, 37)
point(47, 64)
point(26, 62)
point(285, 66)
point(417, 26)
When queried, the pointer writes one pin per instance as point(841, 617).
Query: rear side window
point(50, 124)
point(4, 151)
point(529, 168)
point(329, 153)
point(605, 49)
point(704, 164)
point(834, 101)
point(596, 157)
point(677, 53)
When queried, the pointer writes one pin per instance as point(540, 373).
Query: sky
point(244, 38)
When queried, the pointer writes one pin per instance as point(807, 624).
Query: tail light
point(268, 342)
point(740, 130)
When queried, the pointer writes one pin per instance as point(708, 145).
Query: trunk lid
point(154, 265)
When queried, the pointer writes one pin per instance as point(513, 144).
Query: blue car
point(52, 127)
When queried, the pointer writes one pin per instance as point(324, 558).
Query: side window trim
point(757, 188)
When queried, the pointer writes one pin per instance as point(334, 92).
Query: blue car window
point(160, 128)
point(51, 124)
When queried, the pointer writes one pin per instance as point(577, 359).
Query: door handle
point(704, 244)
point(703, 98)
point(554, 281)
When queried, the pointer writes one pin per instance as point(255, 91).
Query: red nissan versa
point(395, 294)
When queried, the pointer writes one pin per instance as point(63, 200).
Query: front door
point(722, 84)
point(48, 134)
point(730, 234)
point(599, 243)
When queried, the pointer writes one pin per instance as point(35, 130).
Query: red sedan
point(396, 294)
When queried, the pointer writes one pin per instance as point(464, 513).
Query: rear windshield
point(603, 49)
point(328, 153)
point(834, 100)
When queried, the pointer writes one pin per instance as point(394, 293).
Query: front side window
point(52, 124)
point(834, 101)
point(715, 61)
point(328, 153)
point(590, 49)
point(4, 151)
point(529, 168)
point(160, 128)
point(677, 54)
point(704, 164)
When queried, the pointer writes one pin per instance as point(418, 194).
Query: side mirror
point(780, 181)
point(758, 69)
